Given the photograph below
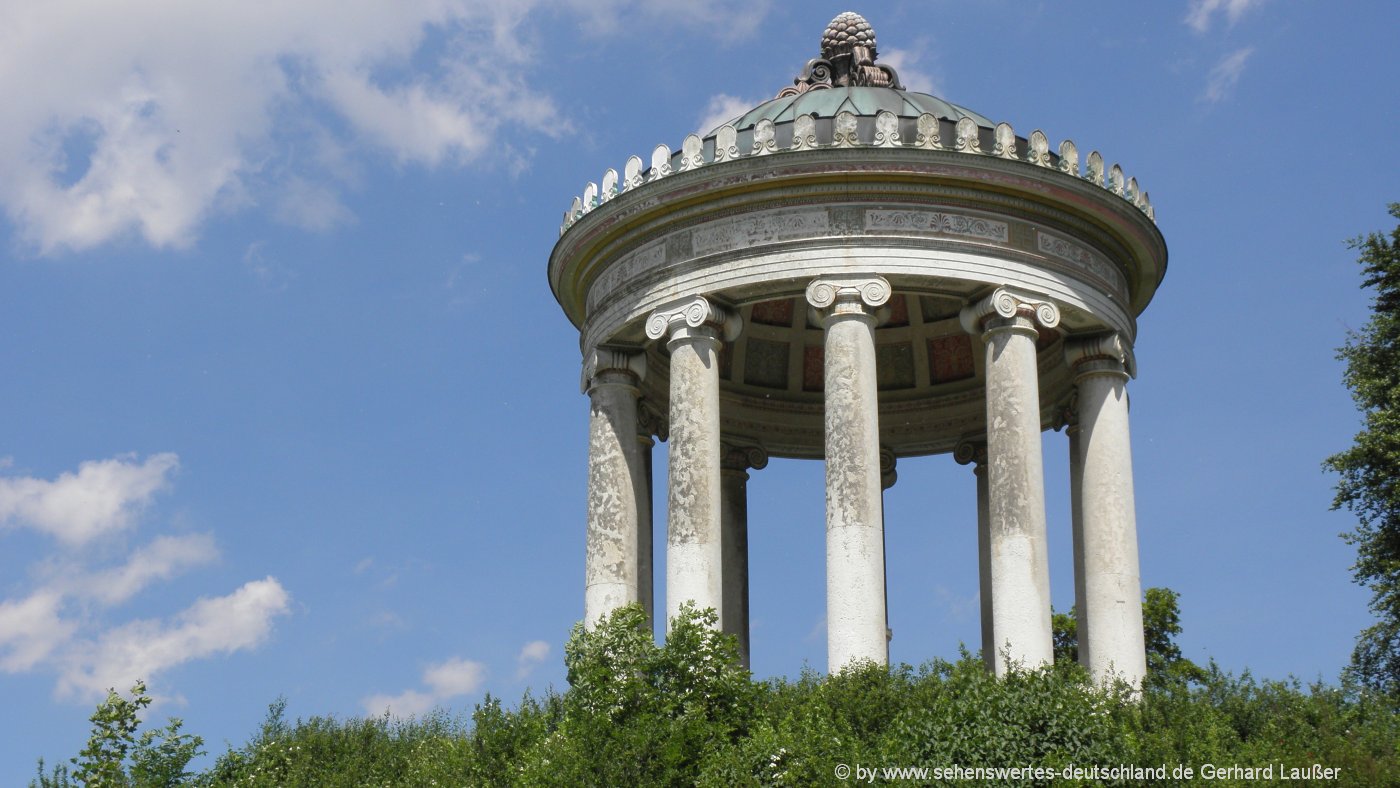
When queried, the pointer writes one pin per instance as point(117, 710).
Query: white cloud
point(721, 109)
point(162, 559)
point(1226, 74)
point(532, 654)
point(905, 62)
point(733, 20)
point(445, 680)
point(61, 626)
point(454, 677)
point(142, 649)
point(1200, 14)
point(31, 629)
point(76, 507)
point(406, 704)
point(152, 117)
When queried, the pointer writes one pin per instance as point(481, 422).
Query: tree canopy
point(1370, 470)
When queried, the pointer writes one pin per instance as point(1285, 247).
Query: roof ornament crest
point(847, 60)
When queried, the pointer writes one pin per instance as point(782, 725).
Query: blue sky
point(290, 409)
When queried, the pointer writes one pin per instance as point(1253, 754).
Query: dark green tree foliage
point(685, 713)
point(1161, 623)
point(1370, 469)
point(115, 758)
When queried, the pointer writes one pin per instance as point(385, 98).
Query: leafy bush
point(686, 713)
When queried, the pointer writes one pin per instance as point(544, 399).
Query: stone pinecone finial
point(846, 31)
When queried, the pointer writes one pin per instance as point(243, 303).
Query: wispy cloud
point(442, 681)
point(159, 117)
point(77, 507)
point(61, 625)
point(162, 559)
point(533, 653)
point(1200, 14)
point(721, 109)
point(139, 649)
point(1226, 75)
point(914, 75)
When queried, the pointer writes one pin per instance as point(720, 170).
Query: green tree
point(115, 758)
point(1161, 623)
point(1370, 470)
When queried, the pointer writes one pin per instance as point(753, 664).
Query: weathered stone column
point(1019, 563)
point(734, 538)
point(855, 562)
point(650, 424)
point(976, 453)
point(693, 328)
point(615, 471)
point(1110, 619)
point(1076, 521)
point(889, 474)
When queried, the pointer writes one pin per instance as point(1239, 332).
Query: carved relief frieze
point(763, 228)
point(1080, 257)
point(937, 223)
point(627, 267)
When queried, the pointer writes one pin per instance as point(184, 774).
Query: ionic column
point(651, 424)
point(888, 476)
point(976, 453)
point(615, 471)
point(1110, 618)
point(734, 539)
point(855, 560)
point(693, 328)
point(1018, 563)
point(1076, 521)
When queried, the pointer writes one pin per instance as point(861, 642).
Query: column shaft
point(855, 560)
point(1112, 612)
point(645, 560)
point(693, 329)
point(614, 470)
point(734, 540)
point(693, 557)
point(984, 567)
point(968, 452)
point(1019, 561)
point(1076, 512)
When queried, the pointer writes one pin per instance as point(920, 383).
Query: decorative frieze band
point(1006, 304)
point(749, 231)
point(937, 223)
point(1080, 257)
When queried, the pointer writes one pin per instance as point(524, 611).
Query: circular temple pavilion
point(855, 273)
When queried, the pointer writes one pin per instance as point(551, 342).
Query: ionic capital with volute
point(972, 453)
point(1007, 308)
point(1099, 355)
point(888, 474)
point(651, 423)
point(739, 459)
point(847, 294)
point(596, 363)
point(691, 317)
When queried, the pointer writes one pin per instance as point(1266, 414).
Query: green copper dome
point(859, 101)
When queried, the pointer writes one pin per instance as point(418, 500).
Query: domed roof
point(846, 78)
point(859, 101)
